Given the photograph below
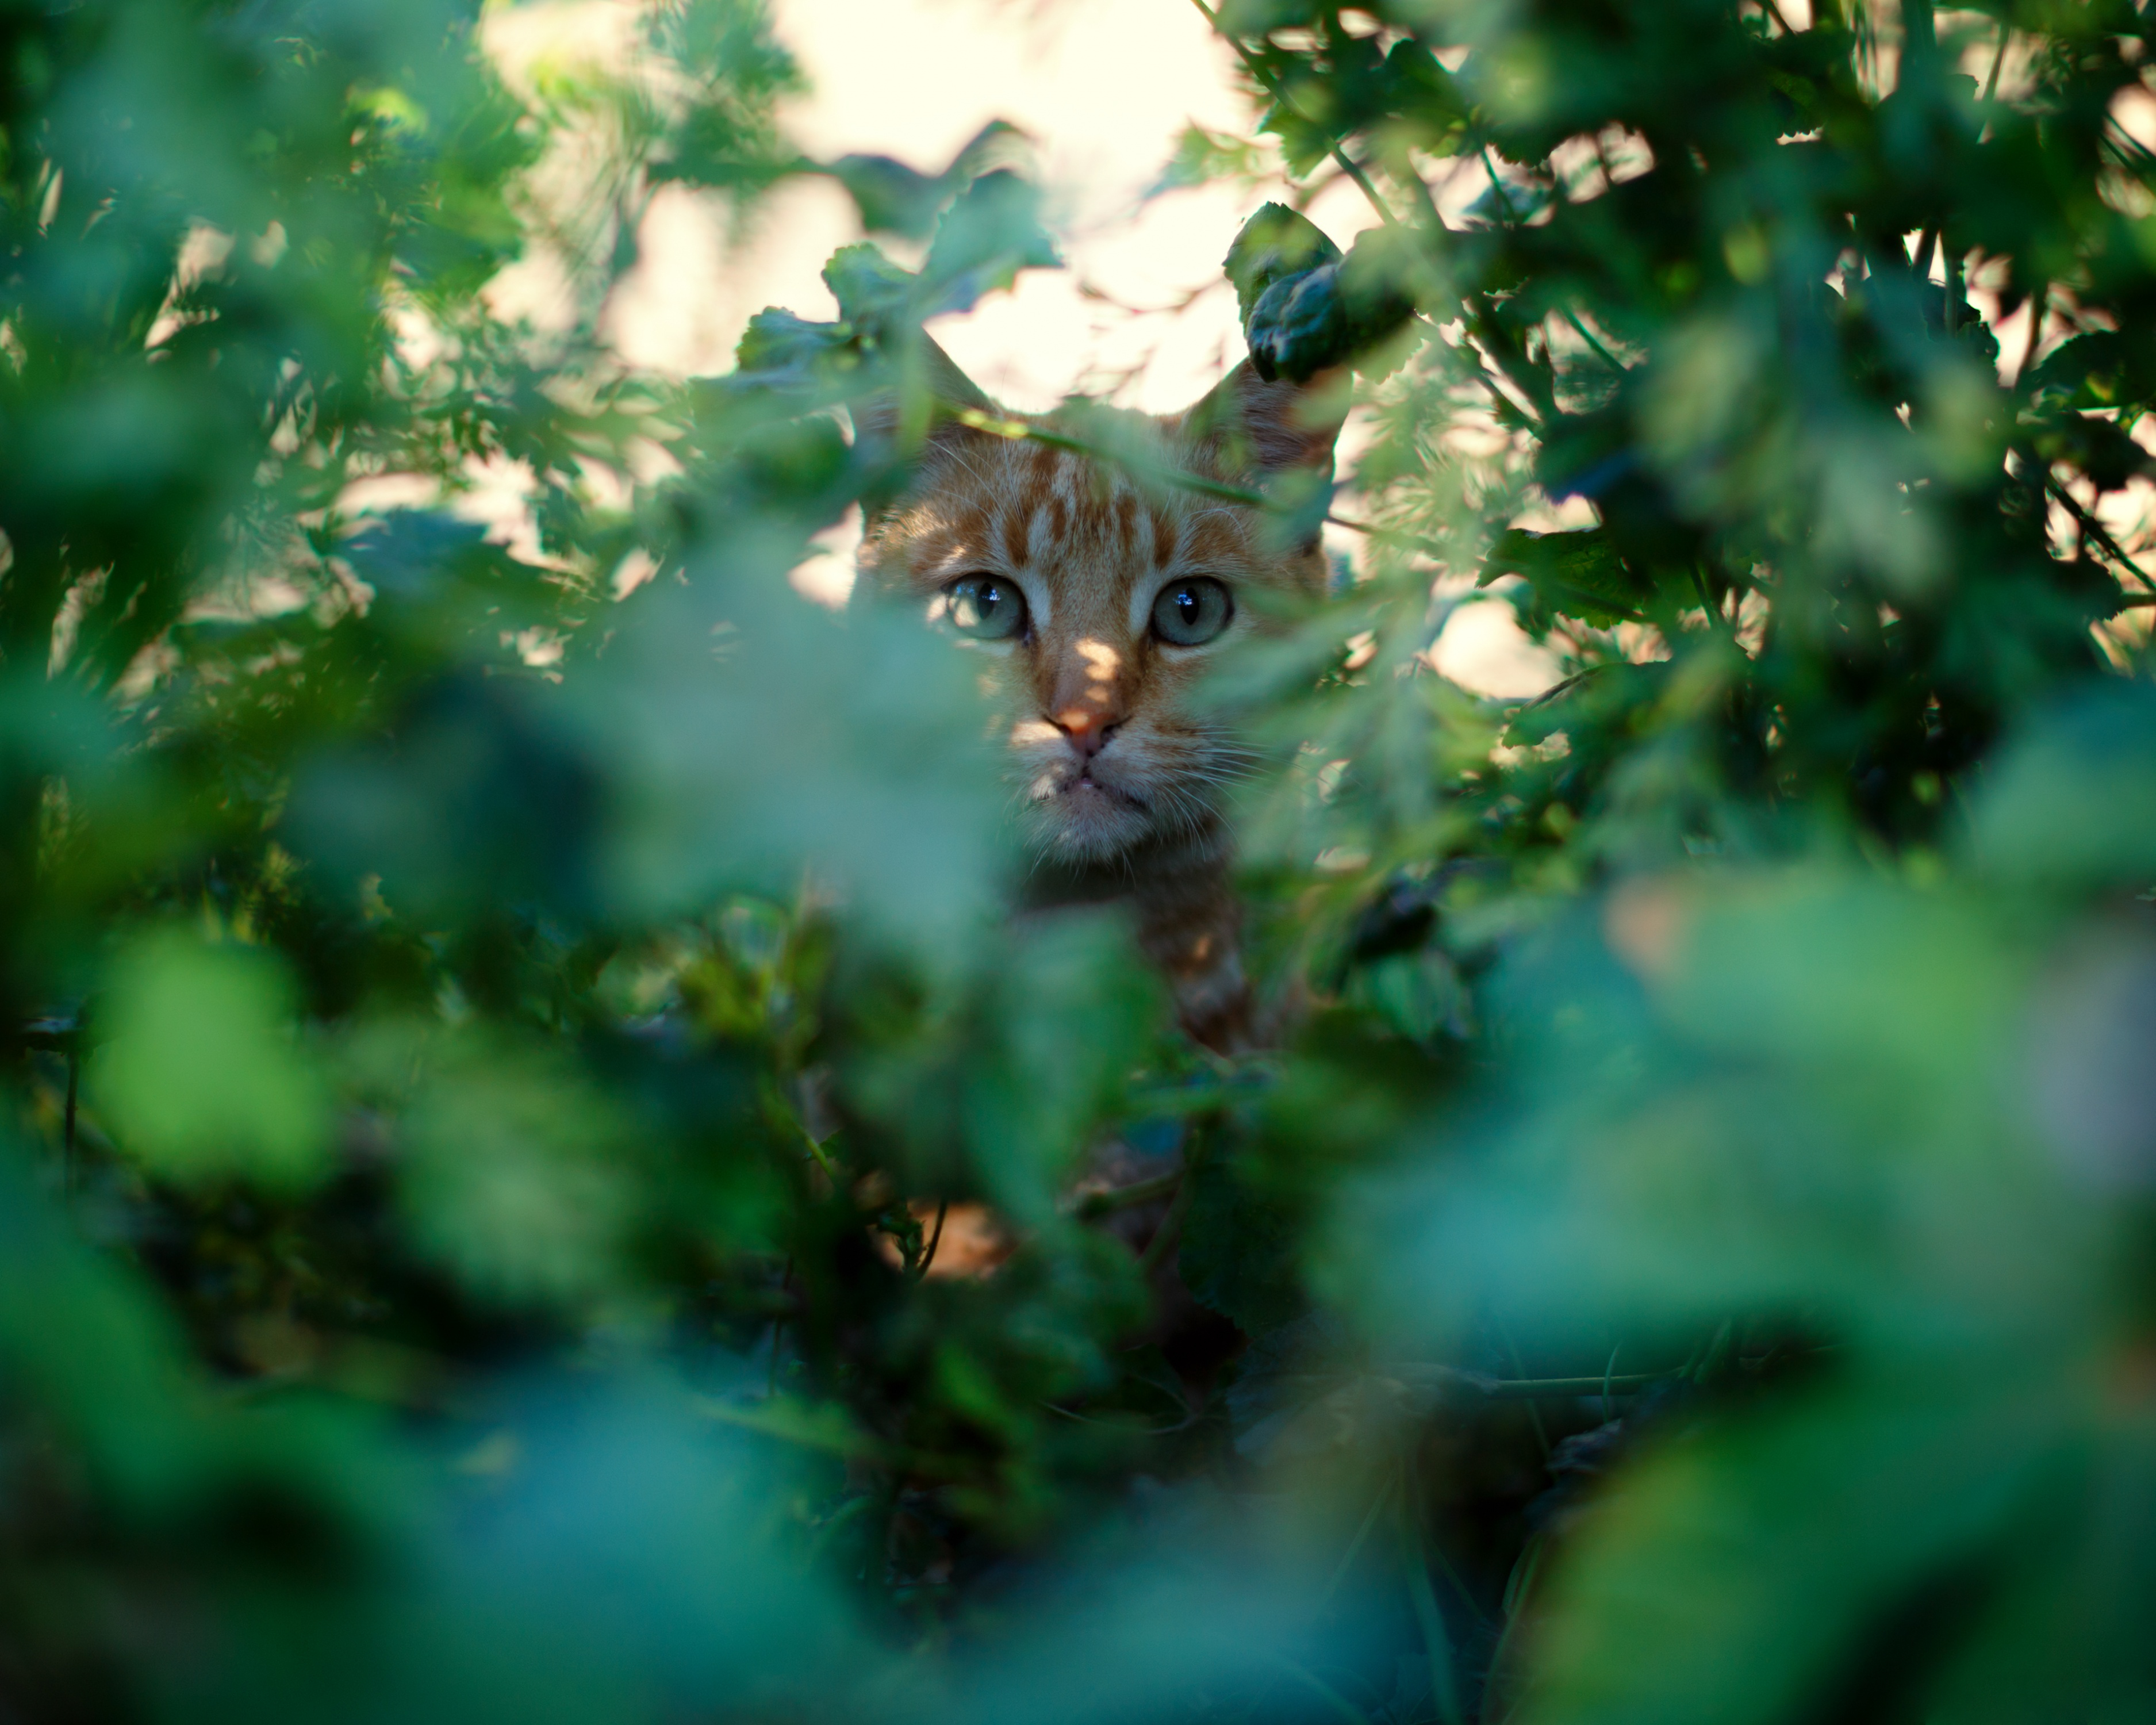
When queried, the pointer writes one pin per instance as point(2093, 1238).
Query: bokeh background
point(1142, 315)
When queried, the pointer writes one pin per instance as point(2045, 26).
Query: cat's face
point(1099, 602)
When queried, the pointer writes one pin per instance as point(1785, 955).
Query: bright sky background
point(1104, 88)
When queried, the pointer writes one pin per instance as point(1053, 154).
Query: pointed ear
point(917, 408)
point(1255, 429)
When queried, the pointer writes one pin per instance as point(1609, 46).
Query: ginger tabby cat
point(1100, 601)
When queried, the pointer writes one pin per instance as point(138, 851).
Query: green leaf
point(1795, 1562)
point(517, 1176)
point(2072, 803)
point(1239, 1251)
point(895, 199)
point(1275, 245)
point(777, 341)
point(891, 196)
point(1577, 573)
point(984, 240)
point(200, 1074)
point(868, 287)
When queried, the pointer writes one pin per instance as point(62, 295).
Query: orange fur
point(1119, 777)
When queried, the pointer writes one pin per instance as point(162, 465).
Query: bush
point(500, 1045)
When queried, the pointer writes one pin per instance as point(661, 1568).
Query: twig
point(1588, 336)
point(1564, 1389)
point(934, 1239)
point(2039, 310)
point(1122, 1197)
point(1712, 606)
point(1497, 186)
point(2095, 529)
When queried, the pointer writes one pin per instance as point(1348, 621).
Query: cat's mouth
point(1083, 784)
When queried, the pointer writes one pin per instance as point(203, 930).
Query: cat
point(1101, 598)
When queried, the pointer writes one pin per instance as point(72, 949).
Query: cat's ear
point(917, 407)
point(1254, 427)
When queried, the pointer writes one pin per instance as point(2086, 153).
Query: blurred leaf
point(1238, 1253)
point(1818, 1558)
point(991, 232)
point(895, 199)
point(2072, 802)
point(777, 341)
point(868, 286)
point(518, 1176)
point(200, 1076)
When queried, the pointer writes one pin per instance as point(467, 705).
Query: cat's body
point(1099, 598)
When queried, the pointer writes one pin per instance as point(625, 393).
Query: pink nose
point(1086, 729)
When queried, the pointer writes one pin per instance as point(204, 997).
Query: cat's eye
point(1190, 613)
point(986, 608)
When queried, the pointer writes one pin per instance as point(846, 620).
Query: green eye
point(985, 606)
point(1188, 613)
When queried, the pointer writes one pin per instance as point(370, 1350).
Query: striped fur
point(1090, 544)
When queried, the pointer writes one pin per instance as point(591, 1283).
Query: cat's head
point(1100, 597)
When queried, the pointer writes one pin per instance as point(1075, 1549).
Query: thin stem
point(1588, 336)
point(1516, 1587)
point(934, 1239)
point(1708, 604)
point(1123, 1198)
point(1505, 355)
point(1322, 1690)
point(1437, 1643)
point(1348, 164)
point(1534, 1414)
point(1497, 186)
point(2096, 529)
point(1361, 1534)
point(1564, 1389)
point(1164, 1237)
point(2039, 312)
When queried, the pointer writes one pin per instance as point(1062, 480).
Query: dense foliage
point(507, 1052)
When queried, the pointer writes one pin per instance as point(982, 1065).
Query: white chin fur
point(1084, 825)
point(1092, 835)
